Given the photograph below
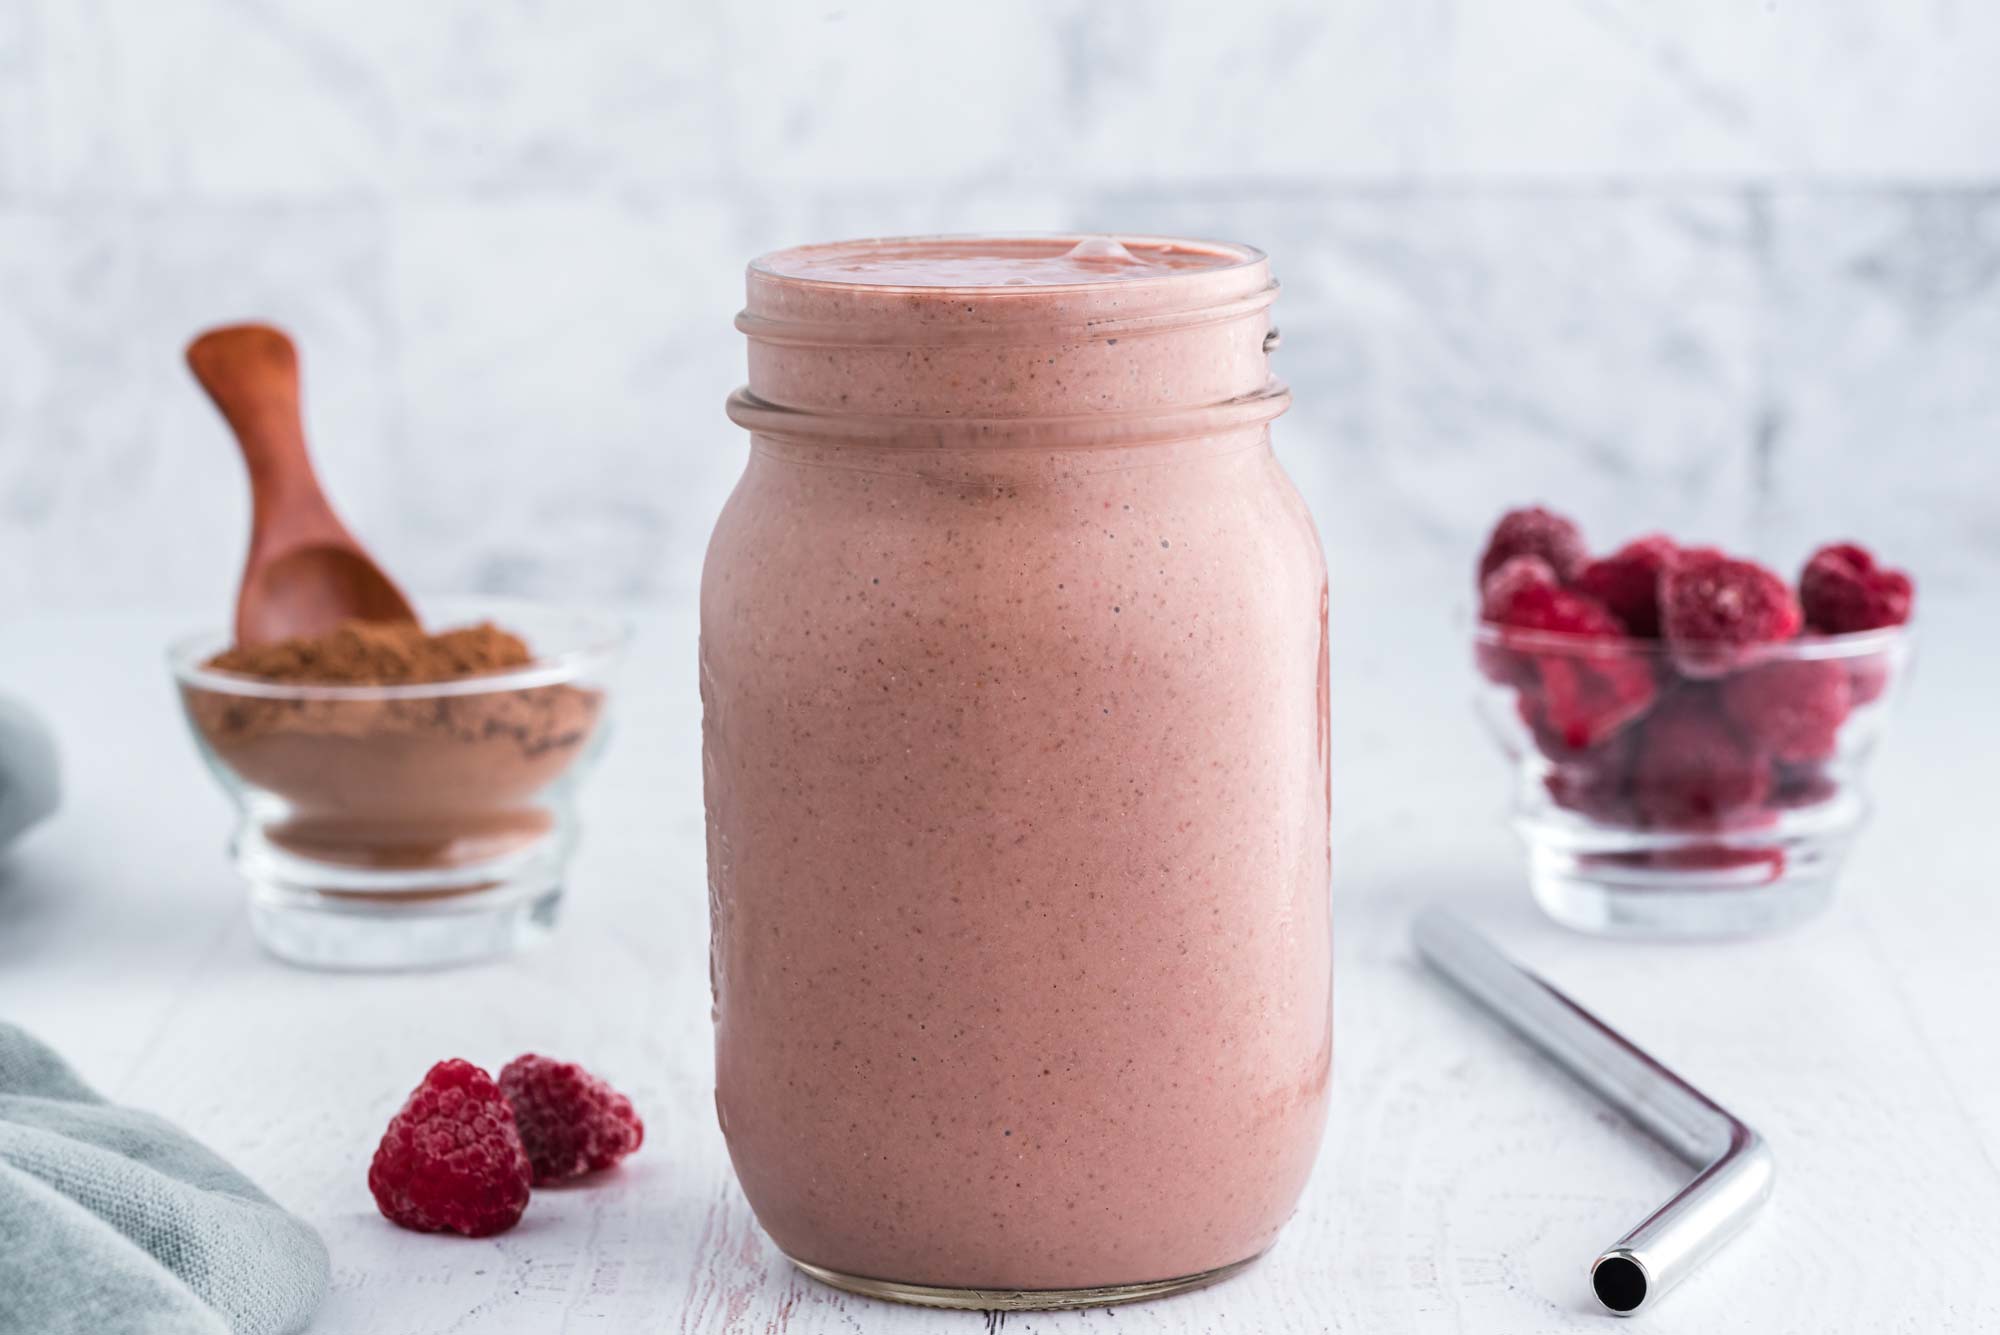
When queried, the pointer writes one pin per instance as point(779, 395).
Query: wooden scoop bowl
point(305, 573)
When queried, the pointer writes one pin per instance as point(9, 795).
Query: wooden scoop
point(305, 573)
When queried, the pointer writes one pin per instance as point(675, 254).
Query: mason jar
point(1015, 749)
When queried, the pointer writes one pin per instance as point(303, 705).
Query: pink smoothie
point(1013, 668)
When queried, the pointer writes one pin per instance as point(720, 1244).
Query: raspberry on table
point(571, 1122)
point(1627, 582)
point(1691, 769)
point(1712, 606)
point(1842, 589)
point(1535, 532)
point(452, 1159)
point(1792, 708)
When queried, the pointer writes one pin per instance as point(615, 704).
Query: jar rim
point(1162, 353)
point(815, 311)
point(1237, 255)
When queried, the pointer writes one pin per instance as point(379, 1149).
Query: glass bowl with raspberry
point(1690, 733)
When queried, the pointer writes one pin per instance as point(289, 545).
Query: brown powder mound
point(428, 781)
point(369, 653)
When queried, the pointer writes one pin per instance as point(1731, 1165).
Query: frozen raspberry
point(1506, 665)
point(1770, 862)
point(1591, 781)
point(1870, 674)
point(452, 1159)
point(1712, 607)
point(1521, 592)
point(1589, 791)
point(571, 1122)
point(1842, 590)
point(1584, 693)
point(1535, 532)
point(1791, 709)
point(1587, 697)
point(1692, 770)
point(1628, 582)
point(1803, 786)
point(1526, 593)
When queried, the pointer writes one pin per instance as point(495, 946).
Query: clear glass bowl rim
point(603, 640)
point(1813, 648)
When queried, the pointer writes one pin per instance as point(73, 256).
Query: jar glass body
point(1015, 760)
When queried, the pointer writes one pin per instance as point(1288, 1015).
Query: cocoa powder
point(405, 780)
point(370, 653)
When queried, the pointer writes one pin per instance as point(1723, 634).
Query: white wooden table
point(1464, 1186)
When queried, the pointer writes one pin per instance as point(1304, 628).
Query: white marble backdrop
point(1725, 267)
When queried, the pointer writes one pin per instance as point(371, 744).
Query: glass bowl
point(1697, 791)
point(408, 826)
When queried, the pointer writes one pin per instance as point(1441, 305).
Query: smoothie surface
point(990, 262)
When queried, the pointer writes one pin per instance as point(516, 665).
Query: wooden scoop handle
point(251, 371)
point(304, 573)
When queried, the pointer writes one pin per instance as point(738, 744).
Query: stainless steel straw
point(1735, 1166)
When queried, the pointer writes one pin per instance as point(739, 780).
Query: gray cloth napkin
point(114, 1221)
point(30, 779)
